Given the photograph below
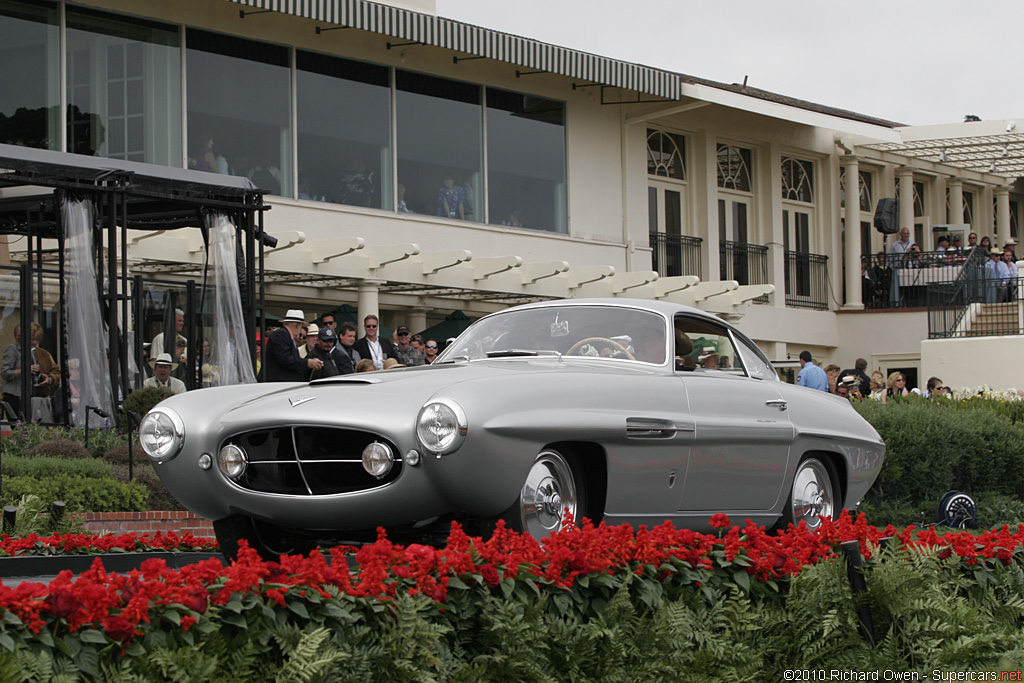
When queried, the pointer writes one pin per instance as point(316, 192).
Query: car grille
point(309, 461)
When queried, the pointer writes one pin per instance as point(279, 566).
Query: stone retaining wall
point(147, 523)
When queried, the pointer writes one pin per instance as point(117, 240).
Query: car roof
point(667, 308)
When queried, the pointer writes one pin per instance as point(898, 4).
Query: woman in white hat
point(162, 366)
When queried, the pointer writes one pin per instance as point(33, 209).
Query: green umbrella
point(453, 325)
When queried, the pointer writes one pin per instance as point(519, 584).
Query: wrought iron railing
point(675, 254)
point(979, 304)
point(745, 263)
point(903, 280)
point(806, 280)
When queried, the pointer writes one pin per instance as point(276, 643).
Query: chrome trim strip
point(295, 450)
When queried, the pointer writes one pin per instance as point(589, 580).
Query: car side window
point(702, 345)
point(757, 364)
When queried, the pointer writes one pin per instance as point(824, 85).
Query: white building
point(580, 175)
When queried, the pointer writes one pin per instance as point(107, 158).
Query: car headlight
point(378, 459)
point(232, 461)
point(162, 434)
point(441, 426)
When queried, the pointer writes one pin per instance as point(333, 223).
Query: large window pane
point(525, 161)
point(124, 88)
point(344, 122)
point(439, 148)
point(30, 96)
point(239, 102)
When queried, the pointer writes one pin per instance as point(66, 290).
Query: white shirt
point(376, 352)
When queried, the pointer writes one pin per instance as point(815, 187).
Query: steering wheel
point(604, 340)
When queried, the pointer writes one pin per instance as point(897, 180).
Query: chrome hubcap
point(812, 494)
point(548, 491)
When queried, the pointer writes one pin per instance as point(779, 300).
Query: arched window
point(734, 171)
point(798, 180)
point(666, 154)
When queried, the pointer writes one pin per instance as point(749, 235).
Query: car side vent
point(652, 428)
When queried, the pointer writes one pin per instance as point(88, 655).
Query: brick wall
point(147, 523)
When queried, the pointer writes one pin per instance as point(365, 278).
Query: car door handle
point(777, 403)
point(654, 428)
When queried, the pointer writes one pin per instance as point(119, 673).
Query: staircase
point(987, 320)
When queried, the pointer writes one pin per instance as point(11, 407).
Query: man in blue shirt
point(811, 375)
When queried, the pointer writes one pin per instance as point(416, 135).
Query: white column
point(906, 175)
point(956, 201)
point(416, 319)
point(368, 301)
point(854, 300)
point(706, 196)
point(777, 252)
point(1002, 215)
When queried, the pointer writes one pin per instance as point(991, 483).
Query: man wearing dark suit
point(283, 362)
point(371, 346)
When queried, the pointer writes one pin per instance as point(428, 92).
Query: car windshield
point(614, 332)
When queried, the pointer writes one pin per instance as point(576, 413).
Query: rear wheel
point(269, 540)
point(554, 483)
point(813, 494)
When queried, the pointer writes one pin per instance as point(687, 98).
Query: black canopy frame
point(125, 195)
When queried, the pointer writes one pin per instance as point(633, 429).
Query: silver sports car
point(617, 410)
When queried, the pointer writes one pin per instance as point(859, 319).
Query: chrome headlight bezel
point(232, 461)
point(378, 459)
point(441, 426)
point(163, 421)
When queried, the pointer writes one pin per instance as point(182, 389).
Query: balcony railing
point(903, 280)
point(675, 254)
point(745, 263)
point(806, 280)
point(978, 304)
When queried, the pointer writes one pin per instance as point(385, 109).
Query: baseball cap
point(328, 334)
point(402, 329)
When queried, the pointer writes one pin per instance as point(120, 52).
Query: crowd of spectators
point(302, 351)
point(854, 383)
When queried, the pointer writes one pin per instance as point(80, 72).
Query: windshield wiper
point(512, 353)
point(453, 359)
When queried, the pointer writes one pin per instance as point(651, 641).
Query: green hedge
point(44, 467)
point(85, 485)
point(975, 446)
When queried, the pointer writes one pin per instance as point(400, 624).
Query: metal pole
point(855, 573)
point(112, 332)
point(59, 197)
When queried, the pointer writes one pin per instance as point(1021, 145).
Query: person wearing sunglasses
point(371, 346)
point(429, 351)
point(896, 385)
point(405, 352)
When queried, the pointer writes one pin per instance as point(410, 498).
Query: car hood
point(374, 400)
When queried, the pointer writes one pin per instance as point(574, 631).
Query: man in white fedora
point(283, 362)
point(162, 366)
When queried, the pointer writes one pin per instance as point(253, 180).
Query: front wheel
point(269, 540)
point(813, 495)
point(555, 483)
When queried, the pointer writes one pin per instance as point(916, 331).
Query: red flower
point(197, 601)
point(63, 603)
point(720, 521)
point(187, 621)
point(490, 575)
point(119, 629)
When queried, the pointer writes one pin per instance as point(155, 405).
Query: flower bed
point(433, 609)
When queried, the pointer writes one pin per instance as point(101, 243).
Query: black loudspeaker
point(887, 216)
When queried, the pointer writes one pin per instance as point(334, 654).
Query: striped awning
point(481, 42)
